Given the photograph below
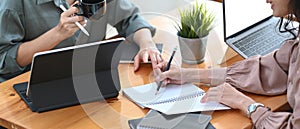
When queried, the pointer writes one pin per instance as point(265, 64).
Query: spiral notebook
point(172, 99)
point(157, 120)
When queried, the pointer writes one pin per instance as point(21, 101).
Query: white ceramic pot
point(192, 50)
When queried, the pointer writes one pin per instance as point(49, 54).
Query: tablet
point(73, 75)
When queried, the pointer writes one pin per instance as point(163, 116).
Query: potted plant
point(195, 25)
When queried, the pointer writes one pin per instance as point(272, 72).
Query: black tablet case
point(53, 76)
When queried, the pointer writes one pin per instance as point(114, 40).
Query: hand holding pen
point(166, 69)
point(63, 5)
point(77, 23)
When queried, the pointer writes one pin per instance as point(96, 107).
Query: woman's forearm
point(45, 42)
point(214, 76)
point(143, 38)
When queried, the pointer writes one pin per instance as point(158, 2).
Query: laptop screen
point(240, 14)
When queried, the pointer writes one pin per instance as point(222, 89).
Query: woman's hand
point(175, 75)
point(66, 26)
point(145, 54)
point(228, 95)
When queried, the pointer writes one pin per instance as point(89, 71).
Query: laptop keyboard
point(260, 42)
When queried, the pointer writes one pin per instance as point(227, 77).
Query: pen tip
point(175, 48)
point(86, 33)
point(156, 92)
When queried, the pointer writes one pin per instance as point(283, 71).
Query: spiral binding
point(176, 99)
point(149, 127)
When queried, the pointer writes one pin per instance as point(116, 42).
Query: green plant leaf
point(197, 21)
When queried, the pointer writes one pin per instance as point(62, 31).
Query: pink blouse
point(273, 74)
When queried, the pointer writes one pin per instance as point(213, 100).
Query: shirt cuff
point(130, 37)
point(10, 64)
point(217, 76)
point(259, 115)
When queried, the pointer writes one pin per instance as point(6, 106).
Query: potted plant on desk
point(196, 23)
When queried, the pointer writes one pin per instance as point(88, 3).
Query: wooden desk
point(112, 113)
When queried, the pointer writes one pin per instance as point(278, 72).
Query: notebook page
point(187, 105)
point(172, 99)
point(145, 94)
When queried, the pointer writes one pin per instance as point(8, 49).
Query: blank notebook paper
point(172, 99)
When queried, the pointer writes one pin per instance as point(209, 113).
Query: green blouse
point(25, 20)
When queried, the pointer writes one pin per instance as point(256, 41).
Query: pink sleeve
point(262, 118)
point(262, 74)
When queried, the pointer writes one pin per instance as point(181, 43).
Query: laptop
point(73, 75)
point(250, 29)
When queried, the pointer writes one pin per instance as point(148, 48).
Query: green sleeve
point(11, 35)
point(126, 17)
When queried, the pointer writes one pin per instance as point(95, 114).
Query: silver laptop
point(72, 75)
point(250, 29)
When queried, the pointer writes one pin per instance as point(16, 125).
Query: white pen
point(77, 23)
